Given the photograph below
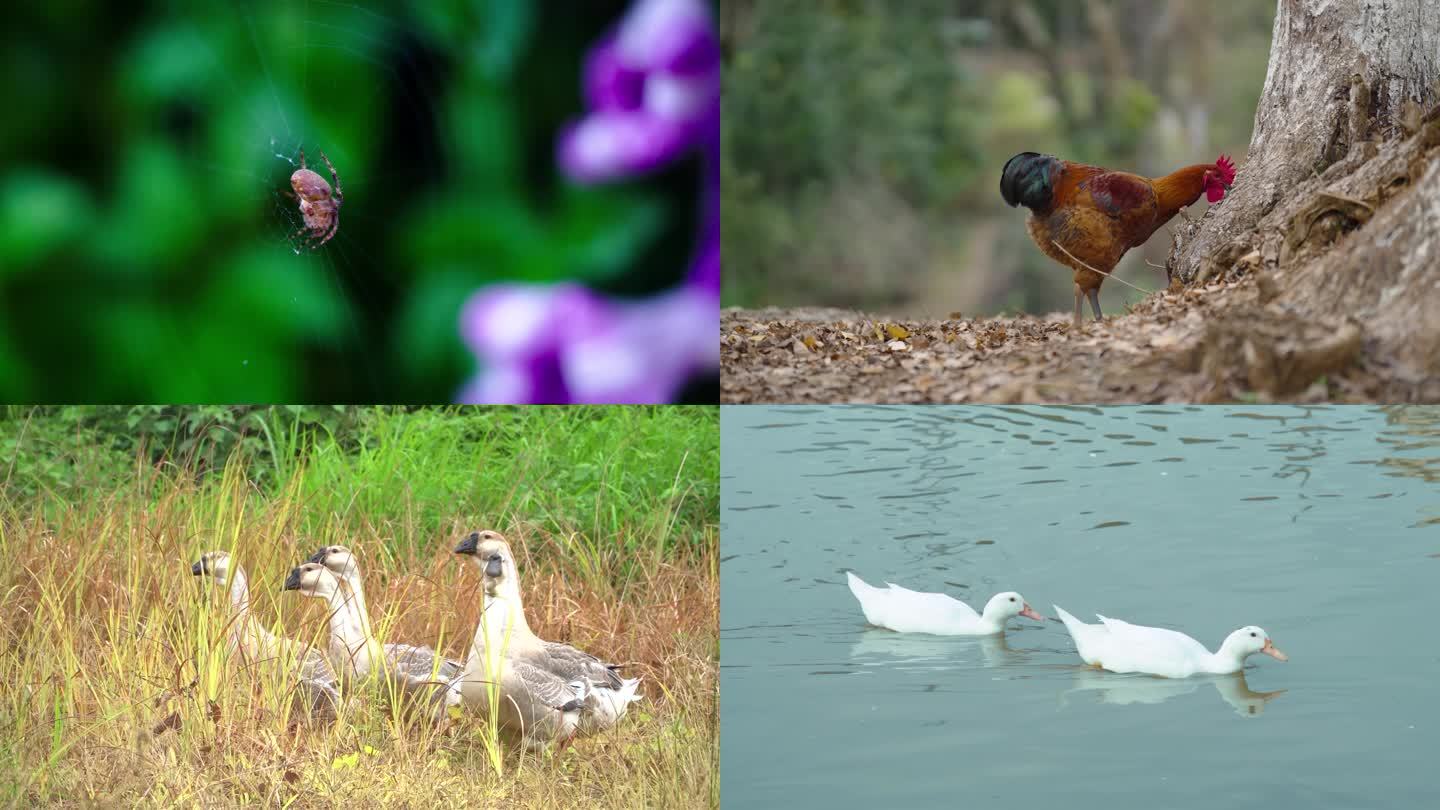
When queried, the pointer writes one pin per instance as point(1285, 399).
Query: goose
point(906, 611)
point(316, 691)
point(530, 702)
point(414, 663)
point(1123, 647)
point(246, 634)
point(607, 694)
point(358, 654)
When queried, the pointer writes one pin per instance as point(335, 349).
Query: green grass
point(119, 690)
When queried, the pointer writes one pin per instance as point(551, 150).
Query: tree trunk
point(1335, 209)
point(1303, 123)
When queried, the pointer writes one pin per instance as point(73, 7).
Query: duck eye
point(1012, 599)
point(1252, 635)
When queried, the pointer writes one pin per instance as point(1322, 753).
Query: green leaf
point(429, 331)
point(39, 214)
point(506, 32)
point(602, 230)
point(275, 292)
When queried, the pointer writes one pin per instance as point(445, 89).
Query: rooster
point(1095, 215)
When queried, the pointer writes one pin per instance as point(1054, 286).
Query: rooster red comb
point(1227, 169)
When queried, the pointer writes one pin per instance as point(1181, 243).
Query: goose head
point(1247, 641)
point(1004, 605)
point(491, 554)
point(214, 564)
point(313, 580)
point(339, 559)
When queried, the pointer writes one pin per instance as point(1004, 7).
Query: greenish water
point(1320, 525)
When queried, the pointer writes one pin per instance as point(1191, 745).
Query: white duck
point(907, 611)
point(1123, 647)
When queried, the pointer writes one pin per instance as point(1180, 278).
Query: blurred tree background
point(863, 139)
point(145, 238)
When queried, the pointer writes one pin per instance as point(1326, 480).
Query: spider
point(320, 208)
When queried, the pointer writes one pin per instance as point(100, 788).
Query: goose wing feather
point(420, 663)
point(572, 664)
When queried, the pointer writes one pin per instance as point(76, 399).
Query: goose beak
point(469, 544)
point(495, 567)
point(1274, 652)
point(318, 556)
point(292, 582)
point(197, 568)
point(1031, 613)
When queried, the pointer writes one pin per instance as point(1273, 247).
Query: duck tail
point(1071, 623)
point(864, 594)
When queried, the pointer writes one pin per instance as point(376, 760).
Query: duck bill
point(1274, 652)
point(1031, 613)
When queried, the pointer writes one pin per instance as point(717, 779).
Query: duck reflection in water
point(877, 647)
point(1123, 690)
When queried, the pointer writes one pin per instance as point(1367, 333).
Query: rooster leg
point(1078, 293)
point(1094, 295)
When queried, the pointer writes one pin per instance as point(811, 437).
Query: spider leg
point(302, 157)
point(297, 235)
point(339, 195)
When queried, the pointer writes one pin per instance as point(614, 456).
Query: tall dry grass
point(116, 688)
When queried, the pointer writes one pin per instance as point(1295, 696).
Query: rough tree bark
point(1303, 123)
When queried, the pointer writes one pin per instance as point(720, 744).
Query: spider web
point(267, 72)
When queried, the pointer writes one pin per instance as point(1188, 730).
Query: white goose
point(906, 611)
point(1123, 647)
point(316, 687)
point(359, 656)
point(415, 663)
point(606, 694)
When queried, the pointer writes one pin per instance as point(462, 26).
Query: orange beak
point(1029, 612)
point(1274, 652)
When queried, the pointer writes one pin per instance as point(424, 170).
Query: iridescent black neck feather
point(1028, 180)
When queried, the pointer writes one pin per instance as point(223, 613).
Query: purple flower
point(564, 343)
point(654, 90)
point(653, 86)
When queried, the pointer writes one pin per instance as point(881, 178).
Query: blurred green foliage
point(627, 476)
point(817, 99)
point(863, 140)
point(145, 250)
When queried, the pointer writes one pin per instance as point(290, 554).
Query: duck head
point(1004, 605)
point(1247, 641)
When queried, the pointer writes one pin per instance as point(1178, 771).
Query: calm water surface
point(1320, 525)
